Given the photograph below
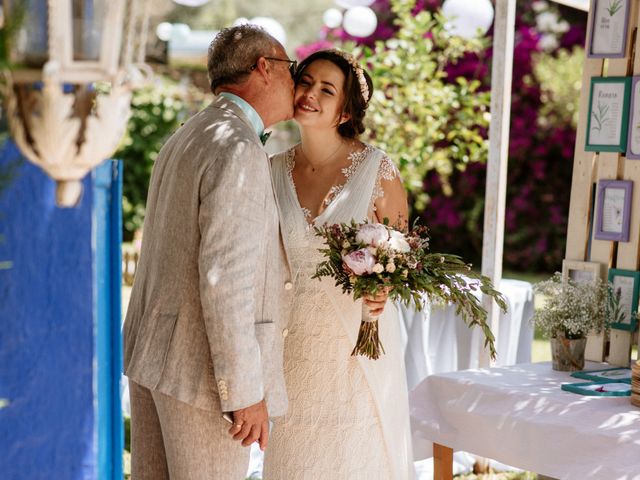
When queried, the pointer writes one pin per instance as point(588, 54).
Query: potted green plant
point(569, 312)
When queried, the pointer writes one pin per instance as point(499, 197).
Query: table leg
point(442, 462)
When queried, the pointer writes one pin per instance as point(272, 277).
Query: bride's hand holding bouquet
point(367, 259)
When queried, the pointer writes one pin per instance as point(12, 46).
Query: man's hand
point(251, 424)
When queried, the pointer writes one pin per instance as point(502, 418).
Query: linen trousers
point(171, 440)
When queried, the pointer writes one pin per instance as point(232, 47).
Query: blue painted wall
point(59, 341)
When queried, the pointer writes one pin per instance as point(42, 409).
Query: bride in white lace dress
point(348, 416)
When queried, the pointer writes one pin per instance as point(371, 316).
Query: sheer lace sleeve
point(387, 170)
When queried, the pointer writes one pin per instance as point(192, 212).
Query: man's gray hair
point(234, 51)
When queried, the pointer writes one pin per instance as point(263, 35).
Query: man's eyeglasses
point(293, 64)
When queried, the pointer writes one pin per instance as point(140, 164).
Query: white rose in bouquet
point(373, 234)
point(398, 242)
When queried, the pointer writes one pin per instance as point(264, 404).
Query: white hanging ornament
point(191, 3)
point(163, 31)
point(468, 19)
point(180, 32)
point(332, 18)
point(360, 21)
point(240, 21)
point(354, 3)
point(272, 26)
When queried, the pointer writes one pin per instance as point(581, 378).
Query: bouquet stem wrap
point(368, 343)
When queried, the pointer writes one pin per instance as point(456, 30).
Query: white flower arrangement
point(572, 309)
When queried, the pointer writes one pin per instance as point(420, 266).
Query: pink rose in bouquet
point(360, 262)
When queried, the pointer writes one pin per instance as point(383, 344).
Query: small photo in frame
point(607, 124)
point(580, 272)
point(608, 28)
point(613, 210)
point(633, 135)
point(626, 286)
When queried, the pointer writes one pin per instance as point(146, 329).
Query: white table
point(438, 341)
point(520, 416)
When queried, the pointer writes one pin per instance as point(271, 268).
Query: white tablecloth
point(438, 341)
point(520, 416)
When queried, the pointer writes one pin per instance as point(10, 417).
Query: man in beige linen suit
point(205, 325)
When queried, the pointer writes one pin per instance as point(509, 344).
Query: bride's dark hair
point(356, 97)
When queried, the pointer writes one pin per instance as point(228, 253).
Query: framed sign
point(579, 271)
point(608, 114)
point(626, 285)
point(613, 210)
point(633, 135)
point(608, 29)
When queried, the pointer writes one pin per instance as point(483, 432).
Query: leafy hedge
point(157, 111)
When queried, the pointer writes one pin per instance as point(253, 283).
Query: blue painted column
point(59, 327)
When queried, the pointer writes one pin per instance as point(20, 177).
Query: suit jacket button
point(288, 285)
point(285, 332)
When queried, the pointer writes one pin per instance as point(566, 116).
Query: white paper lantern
point(180, 32)
point(272, 26)
point(354, 3)
point(191, 3)
point(332, 18)
point(360, 21)
point(468, 19)
point(240, 21)
point(163, 31)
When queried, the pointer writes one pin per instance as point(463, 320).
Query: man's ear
point(263, 68)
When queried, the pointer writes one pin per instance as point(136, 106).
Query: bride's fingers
point(374, 303)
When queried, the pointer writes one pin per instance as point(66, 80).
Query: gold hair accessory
point(357, 69)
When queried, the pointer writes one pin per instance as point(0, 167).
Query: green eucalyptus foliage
point(157, 111)
point(422, 118)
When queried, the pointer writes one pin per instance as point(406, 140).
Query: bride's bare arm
point(392, 202)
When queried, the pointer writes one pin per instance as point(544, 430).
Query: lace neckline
point(356, 159)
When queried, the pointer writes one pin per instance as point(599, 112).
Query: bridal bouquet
point(364, 258)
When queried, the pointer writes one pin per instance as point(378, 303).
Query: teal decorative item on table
point(602, 388)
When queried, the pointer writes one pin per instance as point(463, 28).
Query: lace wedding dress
point(348, 417)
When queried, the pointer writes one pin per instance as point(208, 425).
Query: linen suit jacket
point(207, 315)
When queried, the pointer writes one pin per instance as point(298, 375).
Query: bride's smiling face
point(319, 96)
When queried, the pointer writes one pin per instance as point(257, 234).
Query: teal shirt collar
point(248, 110)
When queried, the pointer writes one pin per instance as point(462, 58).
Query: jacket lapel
point(227, 105)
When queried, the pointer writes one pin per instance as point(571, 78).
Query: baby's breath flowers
point(572, 309)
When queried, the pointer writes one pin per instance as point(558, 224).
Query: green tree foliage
point(157, 111)
point(424, 119)
point(560, 78)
